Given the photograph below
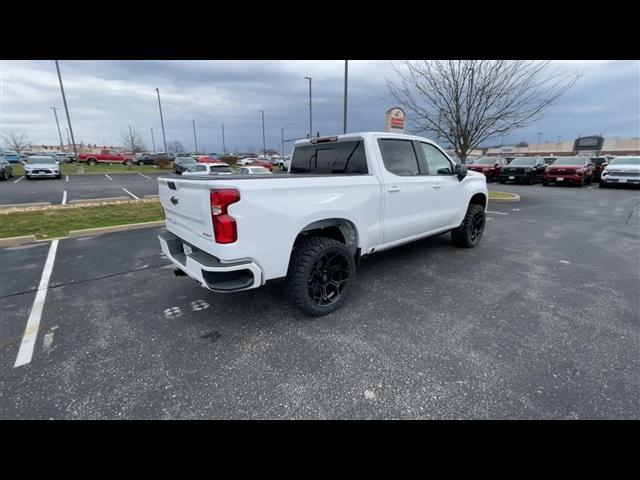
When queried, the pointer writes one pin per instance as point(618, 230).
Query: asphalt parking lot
point(540, 321)
point(78, 187)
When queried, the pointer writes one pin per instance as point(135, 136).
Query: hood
point(622, 168)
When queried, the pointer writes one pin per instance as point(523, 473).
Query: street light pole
point(58, 125)
point(264, 144)
point(153, 142)
point(310, 110)
point(282, 139)
point(224, 147)
point(164, 139)
point(66, 109)
point(539, 135)
point(346, 91)
point(195, 140)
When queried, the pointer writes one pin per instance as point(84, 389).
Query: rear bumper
point(209, 271)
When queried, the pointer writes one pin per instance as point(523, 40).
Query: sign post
point(395, 120)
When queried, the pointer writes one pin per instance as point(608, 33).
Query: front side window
point(399, 157)
point(437, 163)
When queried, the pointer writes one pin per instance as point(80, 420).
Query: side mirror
point(460, 170)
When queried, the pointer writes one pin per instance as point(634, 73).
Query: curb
point(16, 241)
point(24, 205)
point(87, 232)
point(515, 198)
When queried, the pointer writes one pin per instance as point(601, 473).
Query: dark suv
point(524, 170)
point(181, 164)
point(599, 164)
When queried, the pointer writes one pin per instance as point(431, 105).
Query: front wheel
point(141, 163)
point(320, 275)
point(545, 183)
point(468, 234)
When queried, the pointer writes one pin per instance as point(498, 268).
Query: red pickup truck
point(105, 156)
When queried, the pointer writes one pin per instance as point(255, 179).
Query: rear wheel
point(468, 234)
point(503, 181)
point(141, 163)
point(320, 275)
point(91, 161)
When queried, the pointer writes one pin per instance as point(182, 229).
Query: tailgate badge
point(174, 200)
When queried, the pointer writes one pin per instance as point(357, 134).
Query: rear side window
point(339, 157)
point(399, 157)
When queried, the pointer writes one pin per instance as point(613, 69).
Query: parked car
point(621, 171)
point(345, 197)
point(284, 163)
point(262, 163)
point(62, 157)
point(206, 159)
point(250, 170)
point(105, 156)
point(148, 158)
point(246, 161)
point(599, 164)
point(549, 160)
point(574, 170)
point(11, 157)
point(523, 169)
point(179, 164)
point(200, 169)
point(490, 167)
point(6, 171)
point(41, 167)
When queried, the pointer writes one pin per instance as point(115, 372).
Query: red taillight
point(224, 226)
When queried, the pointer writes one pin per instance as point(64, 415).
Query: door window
point(437, 163)
point(399, 157)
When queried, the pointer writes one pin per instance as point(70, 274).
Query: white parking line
point(33, 323)
point(497, 213)
point(148, 178)
point(64, 197)
point(108, 177)
point(137, 198)
point(66, 178)
point(16, 181)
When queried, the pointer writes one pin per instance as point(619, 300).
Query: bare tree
point(175, 147)
point(133, 141)
point(468, 102)
point(16, 141)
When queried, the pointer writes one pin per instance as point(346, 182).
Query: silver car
point(41, 167)
point(621, 171)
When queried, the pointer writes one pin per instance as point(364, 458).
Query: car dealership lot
point(539, 321)
point(79, 187)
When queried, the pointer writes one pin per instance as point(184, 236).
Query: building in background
point(584, 145)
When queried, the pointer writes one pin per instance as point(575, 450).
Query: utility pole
point(58, 125)
point(310, 109)
point(68, 137)
point(539, 135)
point(224, 147)
point(346, 90)
point(66, 109)
point(264, 144)
point(282, 139)
point(195, 140)
point(164, 138)
point(153, 142)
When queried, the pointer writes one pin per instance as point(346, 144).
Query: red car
point(262, 163)
point(205, 159)
point(490, 167)
point(574, 170)
point(105, 156)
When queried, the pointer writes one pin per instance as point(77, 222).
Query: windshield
point(523, 161)
point(626, 161)
point(41, 160)
point(182, 160)
point(485, 161)
point(569, 161)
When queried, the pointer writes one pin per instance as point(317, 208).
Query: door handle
point(437, 185)
point(394, 188)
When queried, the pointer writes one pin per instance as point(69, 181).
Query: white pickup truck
point(343, 198)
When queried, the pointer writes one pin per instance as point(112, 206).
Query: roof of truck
point(342, 136)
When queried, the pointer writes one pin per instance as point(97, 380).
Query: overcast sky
point(105, 96)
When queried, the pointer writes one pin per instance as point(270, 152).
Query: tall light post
point(66, 109)
point(195, 140)
point(346, 91)
point(264, 143)
point(559, 137)
point(310, 109)
point(164, 138)
point(153, 142)
point(282, 139)
point(539, 135)
point(58, 125)
point(224, 147)
point(133, 146)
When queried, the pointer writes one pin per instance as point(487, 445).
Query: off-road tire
point(465, 235)
point(303, 261)
point(91, 161)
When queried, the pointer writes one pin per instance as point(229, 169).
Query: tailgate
point(187, 210)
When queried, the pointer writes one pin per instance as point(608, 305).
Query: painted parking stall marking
point(16, 181)
point(137, 198)
point(64, 197)
point(108, 177)
point(148, 178)
point(33, 323)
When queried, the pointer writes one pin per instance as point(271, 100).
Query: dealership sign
point(395, 120)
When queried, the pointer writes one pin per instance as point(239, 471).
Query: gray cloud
point(105, 96)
